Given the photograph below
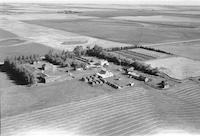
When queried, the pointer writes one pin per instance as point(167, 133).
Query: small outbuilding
point(104, 74)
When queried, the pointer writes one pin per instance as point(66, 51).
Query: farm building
point(105, 74)
point(48, 67)
point(131, 69)
point(44, 78)
point(100, 63)
point(138, 77)
point(133, 74)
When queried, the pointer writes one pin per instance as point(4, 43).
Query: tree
point(97, 49)
point(78, 51)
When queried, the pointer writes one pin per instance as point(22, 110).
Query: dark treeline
point(27, 59)
point(21, 72)
point(120, 48)
point(118, 59)
point(153, 49)
point(133, 47)
point(64, 59)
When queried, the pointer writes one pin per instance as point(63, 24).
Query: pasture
point(177, 67)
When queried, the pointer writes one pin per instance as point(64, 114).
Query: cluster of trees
point(120, 48)
point(21, 72)
point(27, 59)
point(98, 51)
point(153, 49)
point(65, 58)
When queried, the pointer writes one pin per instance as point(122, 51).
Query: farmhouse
point(105, 74)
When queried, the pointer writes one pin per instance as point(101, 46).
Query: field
point(124, 113)
point(24, 49)
point(134, 55)
point(187, 49)
point(154, 54)
point(177, 67)
point(19, 99)
point(8, 42)
point(5, 34)
point(120, 31)
point(162, 20)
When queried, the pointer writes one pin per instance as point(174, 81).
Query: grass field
point(25, 49)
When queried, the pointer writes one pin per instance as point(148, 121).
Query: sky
point(148, 2)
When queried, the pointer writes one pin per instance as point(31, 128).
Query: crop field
point(122, 113)
point(177, 67)
point(154, 54)
point(161, 20)
point(187, 49)
point(189, 92)
point(8, 42)
point(120, 31)
point(134, 55)
point(24, 49)
point(16, 100)
point(5, 34)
